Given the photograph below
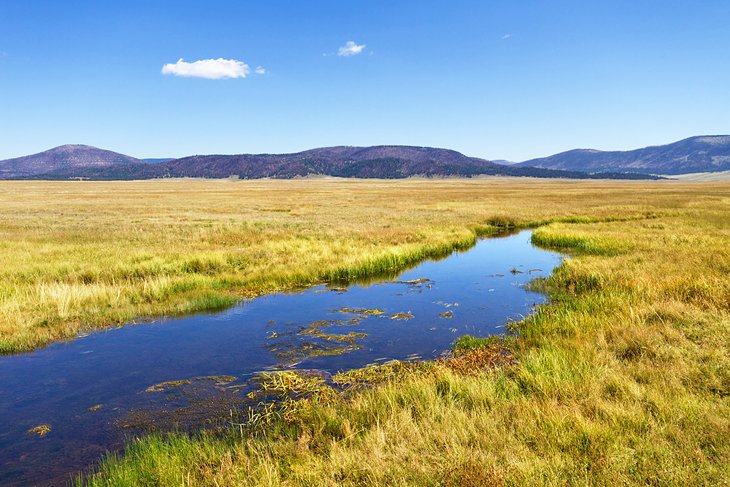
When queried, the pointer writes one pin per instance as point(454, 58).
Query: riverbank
point(93, 393)
point(87, 255)
point(623, 379)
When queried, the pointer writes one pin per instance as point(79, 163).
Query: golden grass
point(623, 379)
point(83, 255)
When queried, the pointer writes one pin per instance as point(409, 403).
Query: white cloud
point(208, 69)
point(506, 36)
point(350, 49)
point(260, 70)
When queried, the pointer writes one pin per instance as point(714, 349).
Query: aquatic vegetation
point(416, 282)
point(95, 407)
point(311, 340)
point(402, 316)
point(290, 353)
point(622, 380)
point(218, 380)
point(281, 396)
point(165, 386)
point(40, 430)
point(361, 311)
point(194, 406)
point(291, 382)
point(350, 337)
point(447, 314)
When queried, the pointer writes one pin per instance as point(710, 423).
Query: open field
point(625, 378)
point(702, 176)
point(88, 255)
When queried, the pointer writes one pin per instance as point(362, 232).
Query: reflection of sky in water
point(58, 384)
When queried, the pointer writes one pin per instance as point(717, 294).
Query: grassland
point(703, 176)
point(78, 256)
point(623, 379)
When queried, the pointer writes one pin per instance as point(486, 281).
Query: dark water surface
point(473, 292)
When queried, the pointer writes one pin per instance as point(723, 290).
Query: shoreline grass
point(614, 383)
point(86, 255)
point(623, 379)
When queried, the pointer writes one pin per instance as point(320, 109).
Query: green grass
point(467, 343)
point(623, 379)
point(79, 256)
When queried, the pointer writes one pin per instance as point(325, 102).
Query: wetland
point(73, 401)
point(622, 379)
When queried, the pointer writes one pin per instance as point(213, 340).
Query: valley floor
point(623, 379)
point(702, 176)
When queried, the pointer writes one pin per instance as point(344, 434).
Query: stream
point(97, 391)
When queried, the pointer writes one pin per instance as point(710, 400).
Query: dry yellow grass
point(623, 379)
point(80, 255)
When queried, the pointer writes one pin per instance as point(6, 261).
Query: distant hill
point(504, 162)
point(387, 162)
point(157, 160)
point(69, 158)
point(707, 153)
point(358, 162)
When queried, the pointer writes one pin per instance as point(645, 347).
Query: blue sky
point(496, 79)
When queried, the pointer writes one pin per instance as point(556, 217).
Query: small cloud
point(260, 70)
point(350, 49)
point(506, 36)
point(208, 69)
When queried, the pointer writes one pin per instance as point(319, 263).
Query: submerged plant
point(218, 380)
point(361, 311)
point(40, 430)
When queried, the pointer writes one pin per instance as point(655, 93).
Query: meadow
point(84, 255)
point(623, 379)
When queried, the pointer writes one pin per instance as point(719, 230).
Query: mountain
point(503, 162)
point(157, 160)
point(357, 162)
point(387, 162)
point(64, 158)
point(707, 153)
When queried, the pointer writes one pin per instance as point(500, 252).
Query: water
point(473, 292)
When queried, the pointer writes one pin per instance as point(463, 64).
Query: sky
point(501, 79)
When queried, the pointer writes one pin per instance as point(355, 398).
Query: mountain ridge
point(381, 161)
point(701, 153)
